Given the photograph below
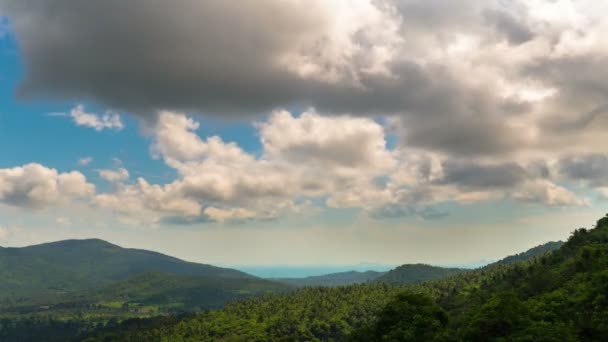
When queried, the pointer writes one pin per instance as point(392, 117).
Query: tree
point(411, 317)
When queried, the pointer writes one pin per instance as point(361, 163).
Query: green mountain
point(532, 252)
point(417, 273)
point(71, 266)
point(559, 295)
point(332, 279)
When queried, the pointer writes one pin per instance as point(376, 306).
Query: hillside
point(555, 296)
point(417, 273)
point(332, 279)
point(178, 292)
point(532, 252)
point(70, 266)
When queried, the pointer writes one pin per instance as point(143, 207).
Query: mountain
point(560, 295)
point(176, 292)
point(417, 273)
point(70, 266)
point(333, 279)
point(532, 252)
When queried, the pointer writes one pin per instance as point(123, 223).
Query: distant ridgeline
point(545, 294)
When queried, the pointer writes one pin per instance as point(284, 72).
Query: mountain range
point(96, 276)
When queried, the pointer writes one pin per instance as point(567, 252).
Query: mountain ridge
point(70, 266)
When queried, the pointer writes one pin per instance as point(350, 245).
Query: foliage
point(44, 274)
point(417, 273)
point(333, 279)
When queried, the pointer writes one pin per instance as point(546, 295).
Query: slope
point(417, 273)
point(333, 279)
point(74, 265)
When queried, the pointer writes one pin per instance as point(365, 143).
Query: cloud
point(542, 191)
point(472, 79)
point(589, 169)
point(3, 233)
point(343, 160)
point(36, 186)
point(114, 176)
point(513, 29)
point(486, 99)
point(64, 221)
point(85, 161)
point(480, 177)
point(109, 120)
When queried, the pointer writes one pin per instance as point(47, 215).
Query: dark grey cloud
point(476, 176)
point(582, 84)
point(145, 55)
point(228, 58)
point(591, 169)
point(506, 24)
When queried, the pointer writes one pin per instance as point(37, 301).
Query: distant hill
point(72, 266)
point(531, 253)
point(417, 273)
point(333, 279)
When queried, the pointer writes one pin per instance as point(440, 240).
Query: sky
point(292, 132)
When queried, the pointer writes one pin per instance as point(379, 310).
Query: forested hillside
point(73, 265)
point(556, 296)
point(417, 273)
point(69, 279)
point(333, 279)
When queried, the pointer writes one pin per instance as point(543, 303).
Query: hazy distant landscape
point(303, 170)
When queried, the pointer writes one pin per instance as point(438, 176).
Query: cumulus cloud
point(114, 176)
point(36, 186)
point(341, 159)
point(109, 120)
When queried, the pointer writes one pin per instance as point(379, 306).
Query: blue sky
point(192, 141)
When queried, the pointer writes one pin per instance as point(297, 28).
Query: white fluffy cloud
point(108, 120)
point(36, 186)
point(344, 160)
point(114, 176)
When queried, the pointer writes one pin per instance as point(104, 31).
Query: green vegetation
point(36, 274)
point(333, 279)
point(78, 285)
point(532, 252)
point(417, 273)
